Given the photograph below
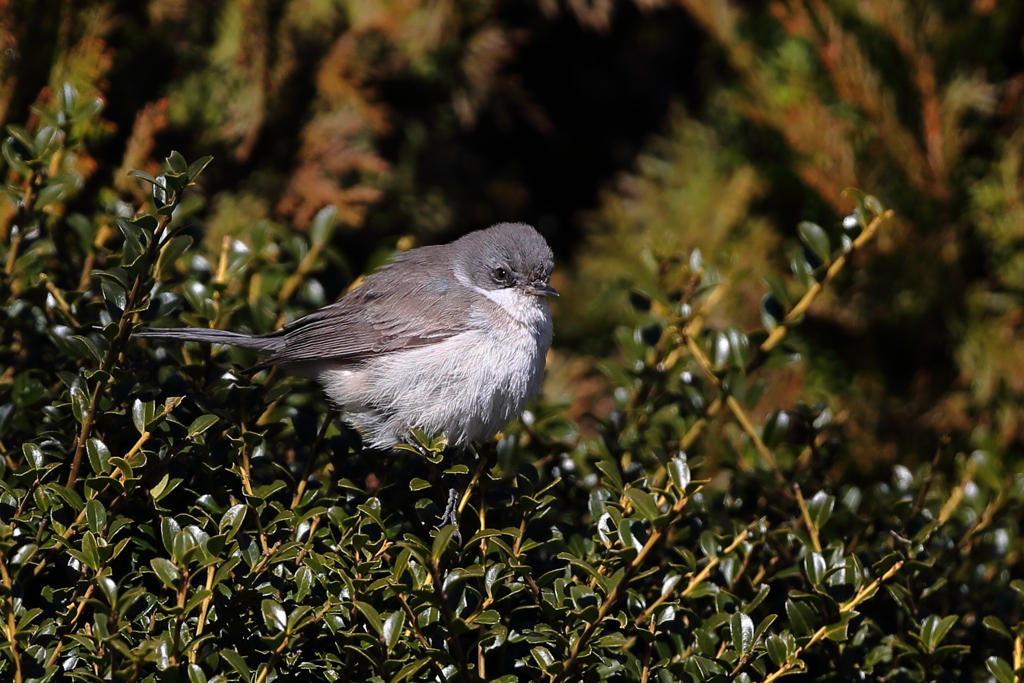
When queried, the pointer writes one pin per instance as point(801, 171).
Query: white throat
point(526, 309)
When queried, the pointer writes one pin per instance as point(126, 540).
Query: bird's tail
point(264, 343)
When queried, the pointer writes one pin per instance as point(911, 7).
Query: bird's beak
point(541, 289)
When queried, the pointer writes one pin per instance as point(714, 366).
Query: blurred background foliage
point(630, 134)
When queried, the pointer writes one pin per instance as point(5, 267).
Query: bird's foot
point(451, 513)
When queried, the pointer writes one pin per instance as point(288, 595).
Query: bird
point(450, 339)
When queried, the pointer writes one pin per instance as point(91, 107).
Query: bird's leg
point(451, 510)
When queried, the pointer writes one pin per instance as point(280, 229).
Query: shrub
point(166, 516)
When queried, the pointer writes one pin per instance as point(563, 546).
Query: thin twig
point(805, 514)
point(10, 628)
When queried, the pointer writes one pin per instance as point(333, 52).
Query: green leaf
point(816, 239)
point(90, 550)
point(802, 270)
point(96, 516)
point(133, 249)
point(626, 536)
point(772, 312)
point(56, 191)
point(872, 204)
point(143, 414)
point(444, 536)
point(934, 629)
point(644, 503)
point(237, 663)
point(814, 568)
point(23, 554)
point(1000, 669)
point(197, 167)
point(488, 617)
point(679, 473)
point(165, 571)
point(195, 674)
point(322, 227)
point(274, 615)
point(172, 251)
point(801, 617)
point(778, 290)
point(176, 162)
point(612, 474)
point(21, 135)
point(372, 616)
point(14, 159)
point(763, 626)
point(79, 400)
point(837, 632)
point(776, 428)
point(169, 530)
point(99, 456)
point(778, 649)
point(741, 628)
point(163, 193)
point(142, 175)
point(392, 629)
point(410, 669)
point(34, 455)
point(115, 296)
point(994, 623)
point(820, 508)
point(201, 424)
point(709, 543)
point(231, 521)
point(545, 660)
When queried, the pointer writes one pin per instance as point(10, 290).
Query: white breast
point(467, 387)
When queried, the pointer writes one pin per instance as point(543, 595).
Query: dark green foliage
point(166, 516)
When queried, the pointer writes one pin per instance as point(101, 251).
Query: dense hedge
point(166, 516)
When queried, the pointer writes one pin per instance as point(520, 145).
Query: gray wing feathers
point(406, 304)
point(265, 343)
point(412, 307)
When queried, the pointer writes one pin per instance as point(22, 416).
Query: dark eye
point(500, 274)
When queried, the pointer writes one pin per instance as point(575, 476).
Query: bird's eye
point(500, 274)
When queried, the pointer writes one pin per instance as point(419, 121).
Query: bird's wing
point(400, 307)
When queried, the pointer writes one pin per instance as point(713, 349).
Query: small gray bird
point(450, 339)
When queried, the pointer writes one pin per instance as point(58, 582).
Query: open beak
point(541, 289)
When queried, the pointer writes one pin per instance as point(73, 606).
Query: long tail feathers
point(246, 341)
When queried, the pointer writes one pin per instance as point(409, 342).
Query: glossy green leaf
point(814, 568)
point(166, 572)
point(816, 240)
point(801, 617)
point(820, 507)
point(741, 629)
point(274, 615)
point(994, 623)
point(934, 630)
point(372, 616)
point(391, 631)
point(644, 503)
point(998, 667)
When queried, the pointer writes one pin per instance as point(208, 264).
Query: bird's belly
point(467, 387)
